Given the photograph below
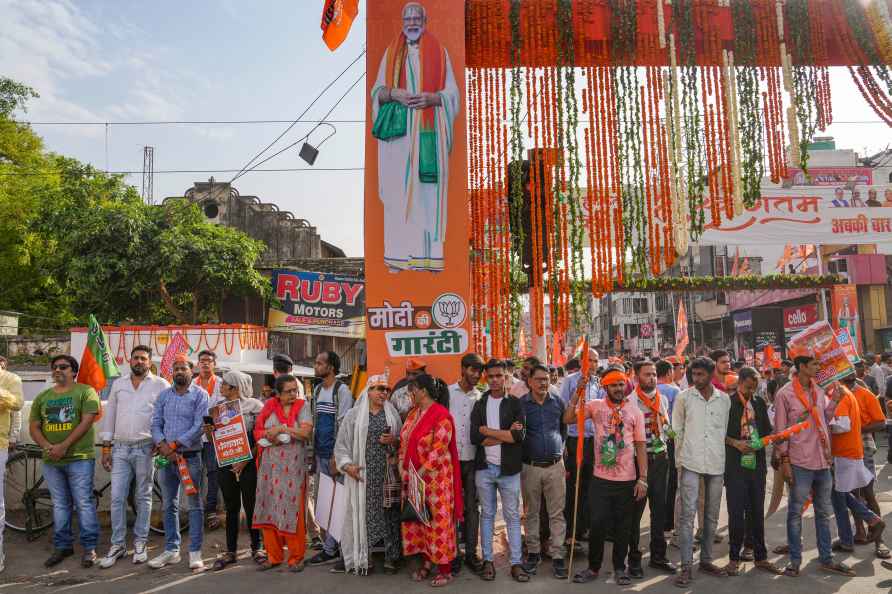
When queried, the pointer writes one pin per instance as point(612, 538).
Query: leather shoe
point(663, 565)
point(635, 571)
point(88, 560)
point(58, 556)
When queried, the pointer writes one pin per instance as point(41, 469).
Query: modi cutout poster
point(416, 202)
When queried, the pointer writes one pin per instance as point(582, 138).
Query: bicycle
point(29, 506)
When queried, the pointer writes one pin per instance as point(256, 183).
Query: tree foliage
point(75, 241)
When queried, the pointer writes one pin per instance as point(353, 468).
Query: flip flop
point(441, 580)
point(838, 568)
point(623, 579)
point(769, 567)
point(732, 568)
point(882, 551)
point(585, 576)
point(712, 570)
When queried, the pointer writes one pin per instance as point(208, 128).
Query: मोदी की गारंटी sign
point(412, 330)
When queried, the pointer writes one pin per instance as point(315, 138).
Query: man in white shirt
point(463, 394)
point(127, 423)
point(700, 421)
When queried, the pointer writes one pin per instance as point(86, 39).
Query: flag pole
point(575, 517)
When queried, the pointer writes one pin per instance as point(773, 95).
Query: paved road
point(25, 571)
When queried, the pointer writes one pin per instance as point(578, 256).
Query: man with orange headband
point(805, 460)
point(620, 476)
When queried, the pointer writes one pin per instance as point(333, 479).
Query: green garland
point(516, 173)
point(625, 81)
point(728, 283)
point(805, 75)
point(752, 166)
point(683, 16)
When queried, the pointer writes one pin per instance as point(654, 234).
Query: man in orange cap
point(401, 397)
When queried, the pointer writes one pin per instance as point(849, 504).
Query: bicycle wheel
point(156, 523)
point(29, 507)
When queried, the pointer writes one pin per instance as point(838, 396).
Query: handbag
point(391, 121)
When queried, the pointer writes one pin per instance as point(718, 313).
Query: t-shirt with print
point(848, 444)
point(633, 430)
point(327, 415)
point(59, 414)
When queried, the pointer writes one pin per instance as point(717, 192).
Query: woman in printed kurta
point(283, 428)
point(427, 442)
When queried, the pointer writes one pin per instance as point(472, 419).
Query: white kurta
point(415, 211)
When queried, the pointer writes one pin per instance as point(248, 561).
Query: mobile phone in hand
point(208, 420)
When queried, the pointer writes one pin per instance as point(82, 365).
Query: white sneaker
point(140, 555)
point(165, 558)
point(195, 561)
point(114, 553)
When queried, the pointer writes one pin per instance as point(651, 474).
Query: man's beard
point(181, 379)
point(138, 370)
point(413, 34)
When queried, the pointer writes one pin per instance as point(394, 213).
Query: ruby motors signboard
point(318, 303)
point(799, 317)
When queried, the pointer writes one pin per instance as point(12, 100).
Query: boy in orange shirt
point(849, 470)
point(872, 421)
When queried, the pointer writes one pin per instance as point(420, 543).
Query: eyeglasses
point(61, 367)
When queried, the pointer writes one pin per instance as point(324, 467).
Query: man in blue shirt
point(331, 402)
point(568, 388)
point(543, 471)
point(176, 431)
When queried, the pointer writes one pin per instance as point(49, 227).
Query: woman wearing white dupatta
point(365, 452)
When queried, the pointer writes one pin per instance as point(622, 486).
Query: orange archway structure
point(603, 136)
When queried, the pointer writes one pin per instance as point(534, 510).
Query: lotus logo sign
point(449, 310)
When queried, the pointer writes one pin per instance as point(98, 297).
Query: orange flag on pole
point(681, 331)
point(581, 387)
point(337, 18)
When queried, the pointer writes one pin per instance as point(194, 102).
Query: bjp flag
point(97, 365)
point(337, 18)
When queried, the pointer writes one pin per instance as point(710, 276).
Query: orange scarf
point(211, 384)
point(433, 69)
point(811, 405)
point(616, 418)
point(656, 417)
point(745, 418)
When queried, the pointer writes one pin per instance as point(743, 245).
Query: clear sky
point(111, 61)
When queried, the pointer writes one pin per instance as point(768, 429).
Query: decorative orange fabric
point(871, 411)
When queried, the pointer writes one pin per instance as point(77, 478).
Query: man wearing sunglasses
point(61, 422)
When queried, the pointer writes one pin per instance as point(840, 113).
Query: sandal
point(211, 521)
point(791, 570)
point(488, 573)
point(781, 549)
point(519, 574)
point(732, 568)
point(296, 567)
point(713, 570)
point(684, 577)
point(223, 560)
point(266, 566)
point(441, 580)
point(422, 573)
point(623, 579)
point(259, 556)
point(837, 567)
point(875, 532)
point(769, 567)
point(882, 551)
point(585, 576)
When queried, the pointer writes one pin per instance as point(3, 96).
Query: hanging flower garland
point(804, 75)
point(749, 105)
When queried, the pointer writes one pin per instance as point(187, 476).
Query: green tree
point(76, 241)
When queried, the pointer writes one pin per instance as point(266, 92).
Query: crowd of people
point(574, 456)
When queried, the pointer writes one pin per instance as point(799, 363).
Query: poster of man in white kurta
point(414, 104)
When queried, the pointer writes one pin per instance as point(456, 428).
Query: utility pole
point(148, 174)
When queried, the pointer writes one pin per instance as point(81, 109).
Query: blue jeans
point(131, 462)
point(169, 477)
point(842, 503)
point(804, 480)
point(209, 456)
point(71, 487)
point(488, 482)
point(329, 544)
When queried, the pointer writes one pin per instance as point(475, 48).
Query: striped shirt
point(179, 417)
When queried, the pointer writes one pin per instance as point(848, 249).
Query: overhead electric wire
point(183, 122)
point(338, 102)
point(139, 171)
point(295, 122)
